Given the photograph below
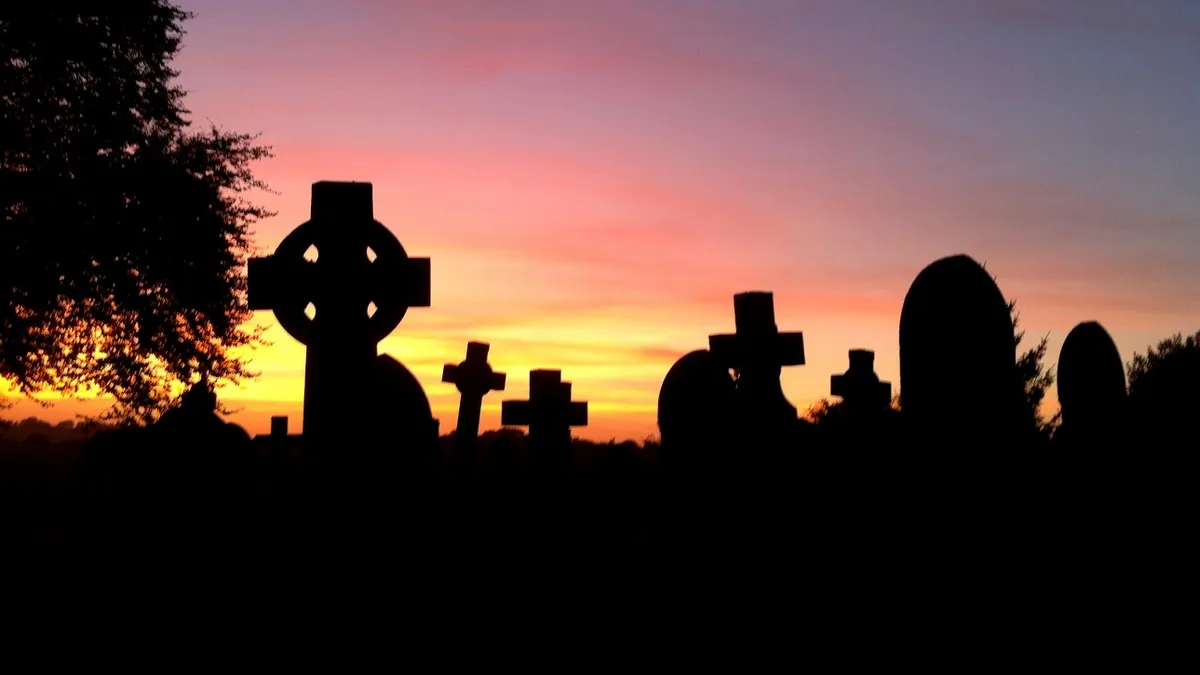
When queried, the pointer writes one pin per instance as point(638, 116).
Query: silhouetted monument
point(403, 418)
point(549, 413)
point(860, 389)
point(360, 287)
point(1091, 389)
point(958, 376)
point(184, 480)
point(473, 378)
point(757, 352)
point(196, 419)
point(696, 413)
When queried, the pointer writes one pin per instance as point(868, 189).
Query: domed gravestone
point(187, 478)
point(398, 401)
point(207, 467)
point(959, 382)
point(340, 306)
point(695, 408)
point(1091, 389)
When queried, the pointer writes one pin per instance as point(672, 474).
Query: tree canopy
point(125, 230)
point(1035, 376)
point(1162, 382)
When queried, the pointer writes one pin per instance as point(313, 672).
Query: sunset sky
point(595, 180)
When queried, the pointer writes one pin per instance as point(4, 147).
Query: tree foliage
point(125, 231)
point(1162, 382)
point(1035, 376)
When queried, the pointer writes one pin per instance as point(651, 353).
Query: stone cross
point(758, 352)
point(549, 413)
point(474, 378)
point(859, 387)
point(358, 299)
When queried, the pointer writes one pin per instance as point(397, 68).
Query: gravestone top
point(958, 355)
point(696, 401)
point(859, 384)
point(757, 341)
point(342, 201)
point(343, 282)
point(549, 404)
point(199, 399)
point(1090, 369)
point(474, 376)
point(862, 359)
point(754, 312)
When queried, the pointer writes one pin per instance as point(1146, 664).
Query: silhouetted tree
point(1162, 382)
point(827, 410)
point(1036, 377)
point(124, 231)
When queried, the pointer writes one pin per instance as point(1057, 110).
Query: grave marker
point(758, 352)
point(859, 387)
point(473, 378)
point(549, 413)
point(361, 286)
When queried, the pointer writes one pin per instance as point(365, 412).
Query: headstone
point(757, 352)
point(357, 300)
point(207, 468)
point(549, 413)
point(405, 421)
point(696, 408)
point(859, 387)
point(473, 378)
point(959, 383)
point(1091, 388)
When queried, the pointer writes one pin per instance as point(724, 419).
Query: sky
point(593, 181)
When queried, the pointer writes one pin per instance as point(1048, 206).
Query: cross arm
point(577, 414)
point(450, 373)
point(838, 385)
point(725, 349)
point(790, 348)
point(272, 282)
point(515, 413)
point(407, 281)
point(497, 382)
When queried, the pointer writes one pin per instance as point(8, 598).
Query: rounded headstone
point(696, 399)
point(957, 351)
point(1091, 375)
point(400, 411)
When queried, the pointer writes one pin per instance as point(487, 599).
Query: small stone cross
point(549, 413)
point(859, 386)
point(474, 378)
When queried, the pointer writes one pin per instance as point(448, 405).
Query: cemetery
point(736, 470)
